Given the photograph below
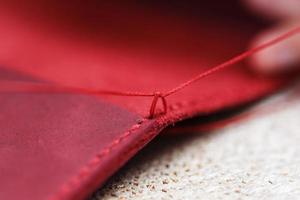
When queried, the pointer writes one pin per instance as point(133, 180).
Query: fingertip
point(263, 61)
point(275, 9)
point(278, 58)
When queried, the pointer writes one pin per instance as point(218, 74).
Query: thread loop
point(156, 97)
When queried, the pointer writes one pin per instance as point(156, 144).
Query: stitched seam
point(172, 116)
point(85, 171)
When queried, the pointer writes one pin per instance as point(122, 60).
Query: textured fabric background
point(257, 158)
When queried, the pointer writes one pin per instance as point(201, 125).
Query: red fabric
point(64, 146)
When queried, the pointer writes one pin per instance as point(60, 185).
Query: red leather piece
point(63, 146)
point(48, 138)
point(156, 52)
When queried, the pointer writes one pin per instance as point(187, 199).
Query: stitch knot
point(156, 97)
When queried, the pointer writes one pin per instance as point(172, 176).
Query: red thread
point(41, 87)
point(235, 60)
